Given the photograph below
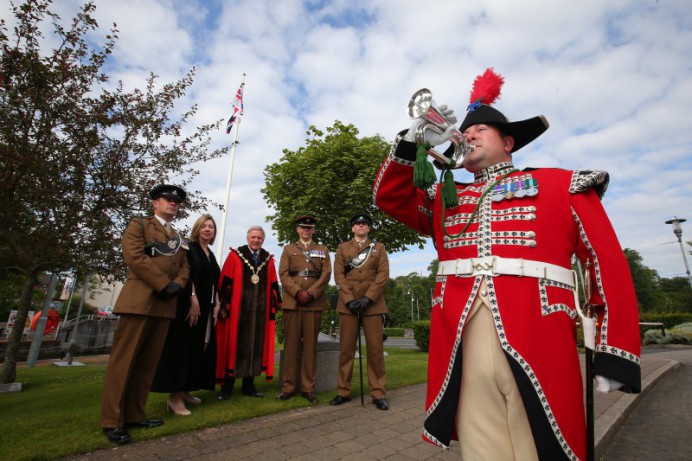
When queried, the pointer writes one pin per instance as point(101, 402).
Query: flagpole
point(222, 231)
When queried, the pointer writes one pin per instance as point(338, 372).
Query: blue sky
point(613, 78)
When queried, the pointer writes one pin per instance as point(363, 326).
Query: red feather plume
point(486, 87)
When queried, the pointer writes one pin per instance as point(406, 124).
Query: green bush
point(394, 332)
point(326, 324)
point(279, 333)
point(580, 338)
point(421, 332)
point(679, 334)
point(669, 320)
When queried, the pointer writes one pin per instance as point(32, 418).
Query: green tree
point(397, 304)
point(10, 289)
point(332, 178)
point(77, 156)
point(408, 299)
point(646, 282)
point(677, 293)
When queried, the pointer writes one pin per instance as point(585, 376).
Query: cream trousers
point(491, 421)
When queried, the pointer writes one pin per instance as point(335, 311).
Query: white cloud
point(613, 79)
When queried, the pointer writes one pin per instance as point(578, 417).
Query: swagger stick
point(587, 313)
point(360, 360)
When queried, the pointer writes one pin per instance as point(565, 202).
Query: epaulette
point(583, 180)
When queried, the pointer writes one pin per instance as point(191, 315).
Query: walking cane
point(588, 329)
point(360, 360)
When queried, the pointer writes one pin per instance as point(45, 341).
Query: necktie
point(169, 229)
point(255, 257)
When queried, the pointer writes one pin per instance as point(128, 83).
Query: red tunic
point(236, 290)
point(558, 214)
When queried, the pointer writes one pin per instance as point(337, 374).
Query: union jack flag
point(237, 108)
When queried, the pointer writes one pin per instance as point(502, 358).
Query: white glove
point(432, 136)
point(605, 385)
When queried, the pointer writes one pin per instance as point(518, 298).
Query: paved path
point(660, 425)
point(349, 432)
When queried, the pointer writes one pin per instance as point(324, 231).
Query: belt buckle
point(479, 267)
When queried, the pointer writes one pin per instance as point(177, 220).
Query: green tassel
point(449, 190)
point(423, 172)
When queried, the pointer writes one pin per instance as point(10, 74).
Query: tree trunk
point(9, 368)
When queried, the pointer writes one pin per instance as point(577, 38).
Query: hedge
point(394, 332)
point(421, 332)
point(421, 328)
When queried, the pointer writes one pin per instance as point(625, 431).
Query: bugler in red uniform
point(520, 241)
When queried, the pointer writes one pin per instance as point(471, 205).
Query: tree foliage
point(409, 297)
point(678, 295)
point(645, 282)
point(78, 155)
point(655, 294)
point(332, 178)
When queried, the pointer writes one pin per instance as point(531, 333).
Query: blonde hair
point(197, 227)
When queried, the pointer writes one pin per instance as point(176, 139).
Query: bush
point(679, 334)
point(279, 333)
point(394, 332)
point(421, 332)
point(669, 320)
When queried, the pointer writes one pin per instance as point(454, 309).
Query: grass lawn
point(56, 414)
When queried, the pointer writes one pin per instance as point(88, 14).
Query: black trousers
point(248, 385)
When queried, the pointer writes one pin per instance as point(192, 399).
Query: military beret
point(306, 220)
point(168, 191)
point(361, 218)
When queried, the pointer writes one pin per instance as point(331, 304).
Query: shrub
point(394, 332)
point(279, 326)
point(421, 332)
point(679, 334)
point(668, 320)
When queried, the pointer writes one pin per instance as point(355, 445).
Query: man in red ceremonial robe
point(249, 295)
point(504, 374)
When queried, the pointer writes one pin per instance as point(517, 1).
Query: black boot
point(249, 389)
point(226, 388)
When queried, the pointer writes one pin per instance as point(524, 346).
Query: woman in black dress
point(188, 359)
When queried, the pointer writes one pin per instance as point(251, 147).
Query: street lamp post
point(410, 293)
point(411, 307)
point(677, 230)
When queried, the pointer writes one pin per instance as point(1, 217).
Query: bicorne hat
point(486, 89)
point(168, 191)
